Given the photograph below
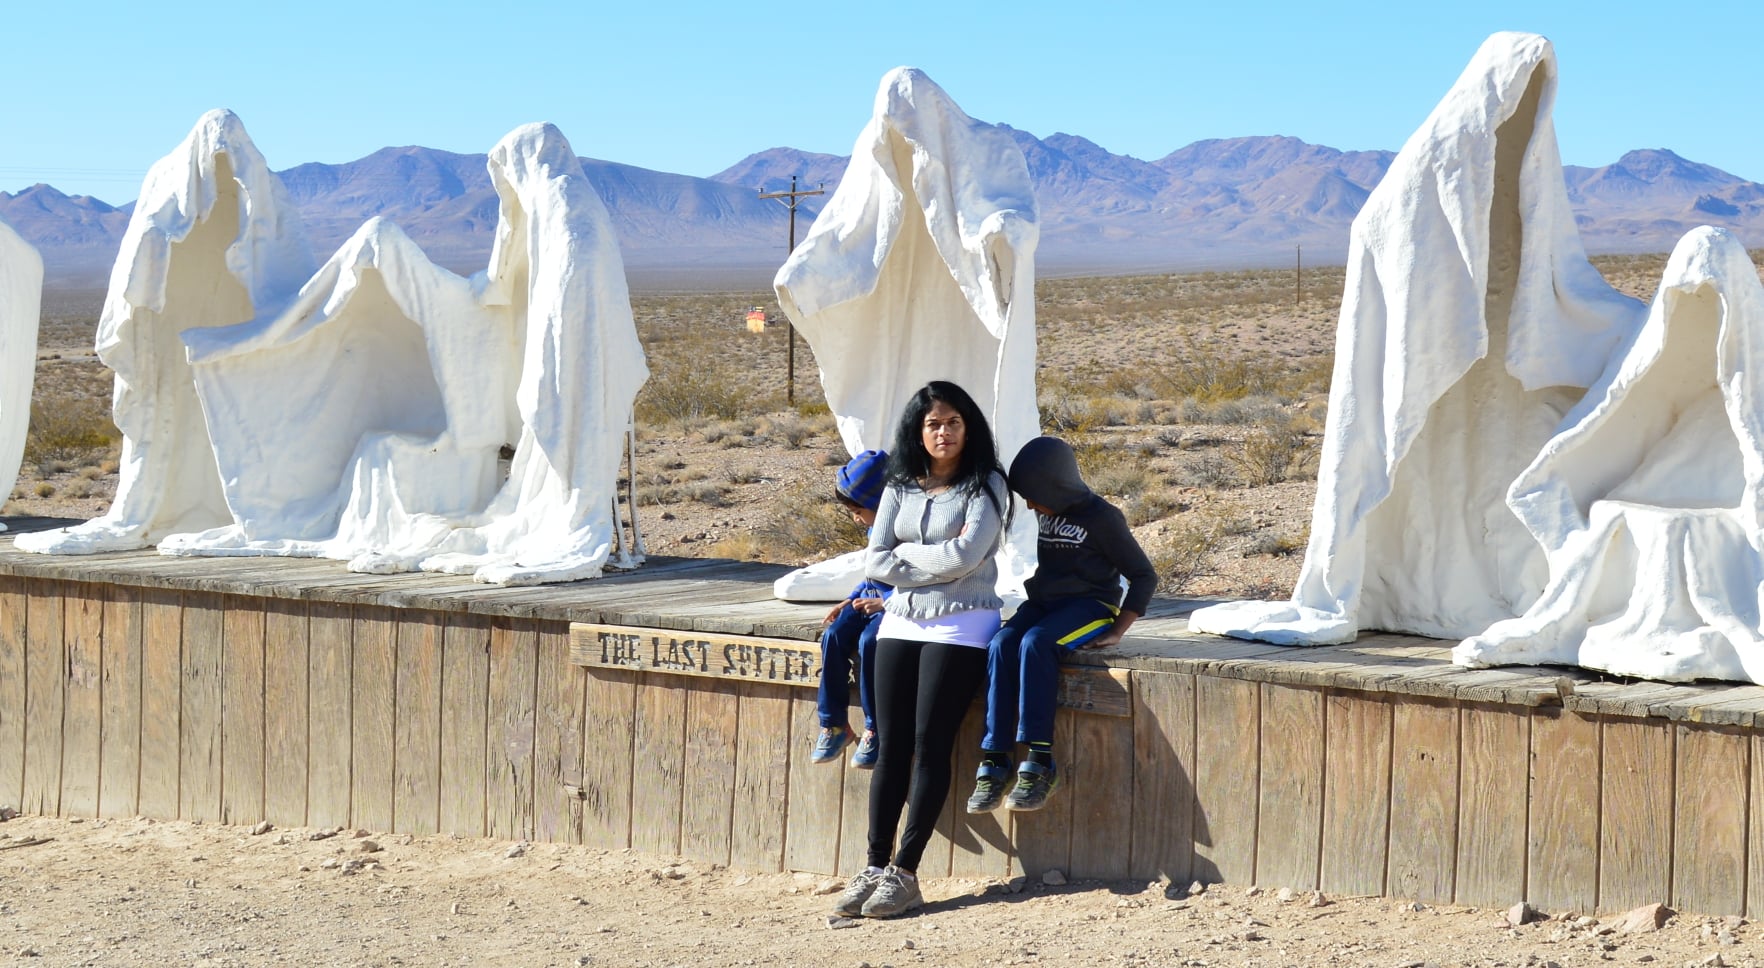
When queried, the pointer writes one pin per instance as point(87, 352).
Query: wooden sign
point(788, 662)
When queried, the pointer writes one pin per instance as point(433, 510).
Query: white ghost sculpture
point(1651, 499)
point(21, 296)
point(365, 421)
point(213, 241)
point(366, 417)
point(556, 271)
point(922, 267)
point(1470, 323)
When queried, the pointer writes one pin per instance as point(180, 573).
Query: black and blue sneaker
point(1035, 782)
point(990, 782)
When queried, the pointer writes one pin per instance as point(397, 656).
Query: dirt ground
point(136, 892)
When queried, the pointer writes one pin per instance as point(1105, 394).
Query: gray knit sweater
point(937, 550)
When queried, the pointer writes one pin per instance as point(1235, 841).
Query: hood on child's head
point(862, 478)
point(1046, 471)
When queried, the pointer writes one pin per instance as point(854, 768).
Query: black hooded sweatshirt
point(1086, 547)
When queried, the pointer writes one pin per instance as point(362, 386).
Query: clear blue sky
point(95, 92)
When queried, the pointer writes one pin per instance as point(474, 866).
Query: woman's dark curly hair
point(909, 462)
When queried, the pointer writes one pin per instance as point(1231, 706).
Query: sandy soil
point(136, 892)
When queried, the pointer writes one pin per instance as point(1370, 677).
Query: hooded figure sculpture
point(1651, 499)
point(920, 268)
point(1470, 323)
point(213, 241)
point(21, 295)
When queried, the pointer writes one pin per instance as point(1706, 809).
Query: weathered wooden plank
point(508, 771)
point(162, 634)
point(1099, 784)
point(120, 768)
point(607, 731)
point(762, 778)
point(1495, 747)
point(1356, 793)
point(465, 689)
point(242, 713)
point(658, 763)
point(1635, 807)
point(1044, 837)
point(416, 741)
point(811, 834)
point(854, 810)
point(711, 711)
point(285, 673)
point(664, 651)
point(1562, 869)
point(83, 712)
point(329, 701)
point(1290, 824)
point(1227, 765)
point(1163, 777)
point(13, 648)
point(1424, 802)
point(45, 698)
point(981, 843)
point(373, 729)
point(557, 743)
point(1755, 831)
point(1709, 821)
point(199, 725)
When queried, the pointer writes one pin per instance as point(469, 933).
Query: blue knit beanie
point(862, 477)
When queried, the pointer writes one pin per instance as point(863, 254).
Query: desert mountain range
point(1214, 204)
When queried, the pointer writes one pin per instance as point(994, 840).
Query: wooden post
point(789, 200)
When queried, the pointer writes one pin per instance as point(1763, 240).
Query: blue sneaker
point(831, 741)
point(1034, 783)
point(864, 757)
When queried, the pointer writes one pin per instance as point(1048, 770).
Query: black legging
point(922, 692)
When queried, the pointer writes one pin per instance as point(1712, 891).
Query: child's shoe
point(864, 757)
point(829, 743)
point(990, 782)
point(897, 894)
point(1035, 783)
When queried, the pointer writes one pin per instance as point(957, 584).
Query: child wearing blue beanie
point(851, 627)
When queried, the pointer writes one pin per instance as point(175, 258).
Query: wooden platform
point(676, 718)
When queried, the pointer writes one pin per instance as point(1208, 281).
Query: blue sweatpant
point(1023, 666)
point(851, 634)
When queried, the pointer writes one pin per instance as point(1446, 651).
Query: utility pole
point(789, 200)
point(1298, 276)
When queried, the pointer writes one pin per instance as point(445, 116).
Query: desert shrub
point(707, 493)
point(44, 489)
point(741, 546)
point(1119, 478)
point(742, 474)
point(1184, 551)
point(684, 392)
point(809, 526)
point(1271, 455)
point(1149, 506)
point(790, 429)
point(1208, 471)
point(1277, 545)
point(68, 427)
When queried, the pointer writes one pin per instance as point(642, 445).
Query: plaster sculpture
point(21, 295)
point(364, 418)
point(1651, 498)
point(364, 423)
point(1470, 324)
point(922, 267)
point(213, 241)
point(556, 271)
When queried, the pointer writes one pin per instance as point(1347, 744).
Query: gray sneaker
point(991, 782)
point(857, 891)
point(897, 894)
